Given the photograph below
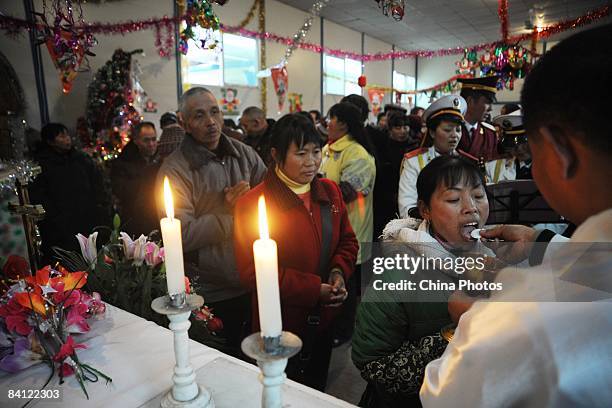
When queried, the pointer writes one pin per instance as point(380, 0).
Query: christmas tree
point(113, 97)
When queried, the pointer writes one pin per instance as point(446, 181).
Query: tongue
point(466, 231)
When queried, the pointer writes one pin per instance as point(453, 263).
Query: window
point(404, 83)
point(341, 76)
point(233, 62)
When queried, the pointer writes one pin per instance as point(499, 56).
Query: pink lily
point(75, 320)
point(153, 254)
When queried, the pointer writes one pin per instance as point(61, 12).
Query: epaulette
point(416, 152)
point(467, 155)
point(488, 126)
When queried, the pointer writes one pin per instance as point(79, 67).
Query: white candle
point(173, 245)
point(266, 275)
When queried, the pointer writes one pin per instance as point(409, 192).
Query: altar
point(139, 356)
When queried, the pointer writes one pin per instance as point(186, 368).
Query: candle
point(173, 245)
point(266, 275)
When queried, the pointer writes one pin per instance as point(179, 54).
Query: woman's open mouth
point(466, 230)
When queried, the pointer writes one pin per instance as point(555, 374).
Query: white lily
point(128, 245)
point(88, 247)
point(140, 247)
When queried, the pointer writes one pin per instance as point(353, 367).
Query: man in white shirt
point(543, 353)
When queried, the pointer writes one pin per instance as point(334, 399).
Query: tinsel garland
point(13, 170)
point(502, 12)
point(299, 36)
point(13, 25)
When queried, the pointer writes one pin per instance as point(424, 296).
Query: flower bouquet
point(129, 273)
point(38, 316)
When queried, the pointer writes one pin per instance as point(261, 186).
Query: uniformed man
point(444, 119)
point(479, 137)
point(514, 142)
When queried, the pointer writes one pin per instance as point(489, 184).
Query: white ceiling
point(433, 24)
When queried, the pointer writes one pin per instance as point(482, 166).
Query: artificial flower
point(32, 300)
point(153, 254)
point(67, 349)
point(75, 320)
point(134, 250)
point(15, 317)
point(15, 267)
point(88, 247)
point(94, 303)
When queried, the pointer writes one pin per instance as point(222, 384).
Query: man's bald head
point(253, 120)
point(190, 93)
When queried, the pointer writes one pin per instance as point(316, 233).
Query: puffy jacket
point(198, 178)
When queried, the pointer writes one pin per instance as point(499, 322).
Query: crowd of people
point(334, 184)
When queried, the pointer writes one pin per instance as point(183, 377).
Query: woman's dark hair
point(50, 131)
point(360, 102)
point(396, 118)
point(447, 171)
point(449, 117)
point(350, 115)
point(293, 127)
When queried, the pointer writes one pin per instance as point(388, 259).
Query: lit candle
point(173, 245)
point(266, 275)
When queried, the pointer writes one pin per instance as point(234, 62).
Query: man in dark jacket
point(258, 131)
point(71, 190)
point(133, 179)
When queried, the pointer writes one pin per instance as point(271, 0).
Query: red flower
point(67, 370)
point(16, 267)
point(68, 349)
point(213, 323)
point(187, 285)
point(15, 317)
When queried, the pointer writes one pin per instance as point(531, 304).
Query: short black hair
point(396, 118)
point(138, 128)
point(293, 127)
point(447, 171)
point(415, 110)
point(559, 91)
point(380, 116)
point(316, 113)
point(360, 102)
point(167, 119)
point(350, 115)
point(50, 131)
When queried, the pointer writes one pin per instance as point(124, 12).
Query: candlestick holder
point(272, 354)
point(185, 392)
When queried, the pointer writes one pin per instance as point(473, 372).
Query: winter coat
point(133, 182)
point(297, 233)
point(198, 177)
point(71, 190)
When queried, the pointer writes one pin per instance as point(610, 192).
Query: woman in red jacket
point(316, 244)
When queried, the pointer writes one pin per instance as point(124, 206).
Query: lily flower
point(88, 247)
point(153, 254)
point(134, 250)
point(75, 320)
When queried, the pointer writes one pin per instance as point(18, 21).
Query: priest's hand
point(517, 245)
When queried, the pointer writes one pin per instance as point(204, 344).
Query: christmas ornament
point(466, 66)
point(362, 81)
point(199, 13)
point(150, 106)
point(393, 8)
point(487, 63)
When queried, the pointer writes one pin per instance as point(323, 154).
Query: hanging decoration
point(199, 13)
point(67, 43)
point(254, 7)
point(263, 82)
point(150, 106)
point(467, 65)
point(362, 81)
point(393, 8)
point(502, 12)
point(165, 47)
point(295, 102)
point(11, 26)
point(280, 78)
point(487, 63)
point(229, 102)
point(299, 36)
point(376, 96)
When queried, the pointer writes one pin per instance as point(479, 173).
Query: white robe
point(532, 354)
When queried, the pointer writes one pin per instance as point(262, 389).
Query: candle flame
point(263, 219)
point(168, 199)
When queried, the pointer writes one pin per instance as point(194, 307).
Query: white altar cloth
point(138, 355)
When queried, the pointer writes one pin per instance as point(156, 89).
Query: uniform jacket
point(414, 161)
point(481, 143)
point(198, 177)
point(297, 233)
point(345, 160)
